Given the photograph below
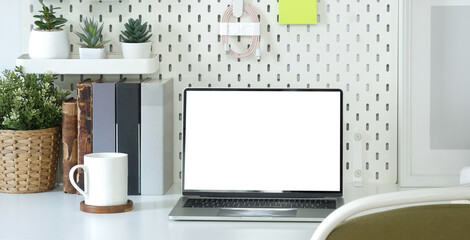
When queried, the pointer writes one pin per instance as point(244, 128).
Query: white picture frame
point(419, 164)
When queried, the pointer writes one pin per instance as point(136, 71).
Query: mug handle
point(72, 179)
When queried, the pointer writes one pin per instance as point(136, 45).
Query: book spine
point(69, 141)
point(104, 117)
point(168, 136)
point(157, 137)
point(85, 125)
point(128, 130)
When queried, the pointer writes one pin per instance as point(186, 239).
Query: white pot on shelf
point(92, 53)
point(136, 50)
point(48, 44)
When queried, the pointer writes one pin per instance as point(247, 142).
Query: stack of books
point(133, 117)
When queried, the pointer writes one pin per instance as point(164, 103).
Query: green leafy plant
point(29, 101)
point(91, 34)
point(47, 19)
point(135, 32)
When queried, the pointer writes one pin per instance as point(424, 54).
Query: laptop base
point(242, 214)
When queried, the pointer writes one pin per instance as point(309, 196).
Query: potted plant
point(30, 118)
point(135, 38)
point(48, 40)
point(91, 47)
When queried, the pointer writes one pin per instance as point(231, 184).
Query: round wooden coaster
point(107, 209)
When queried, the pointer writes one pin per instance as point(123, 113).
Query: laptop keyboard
point(260, 203)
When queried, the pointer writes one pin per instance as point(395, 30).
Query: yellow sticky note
point(298, 11)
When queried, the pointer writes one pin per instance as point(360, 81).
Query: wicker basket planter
point(28, 160)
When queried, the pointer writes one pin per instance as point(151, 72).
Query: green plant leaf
point(102, 44)
point(144, 27)
point(48, 19)
point(91, 33)
point(81, 36)
point(145, 39)
point(135, 31)
point(129, 28)
point(40, 24)
point(127, 35)
point(29, 101)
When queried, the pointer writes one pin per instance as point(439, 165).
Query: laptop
point(261, 154)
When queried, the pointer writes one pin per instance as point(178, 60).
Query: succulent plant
point(91, 34)
point(135, 32)
point(47, 19)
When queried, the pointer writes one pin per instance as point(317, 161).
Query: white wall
point(10, 26)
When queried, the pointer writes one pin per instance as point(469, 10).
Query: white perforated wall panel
point(353, 47)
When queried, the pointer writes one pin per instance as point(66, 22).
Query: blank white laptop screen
point(262, 140)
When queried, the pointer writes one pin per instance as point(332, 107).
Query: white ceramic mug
point(105, 179)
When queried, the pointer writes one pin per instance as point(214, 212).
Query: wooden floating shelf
point(113, 64)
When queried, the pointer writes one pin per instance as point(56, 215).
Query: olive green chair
point(435, 218)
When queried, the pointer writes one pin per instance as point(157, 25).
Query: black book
point(128, 130)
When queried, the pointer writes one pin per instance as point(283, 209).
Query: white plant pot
point(48, 44)
point(92, 53)
point(136, 50)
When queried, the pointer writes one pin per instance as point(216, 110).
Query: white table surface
point(56, 215)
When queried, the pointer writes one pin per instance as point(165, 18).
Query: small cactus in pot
point(91, 44)
point(135, 39)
